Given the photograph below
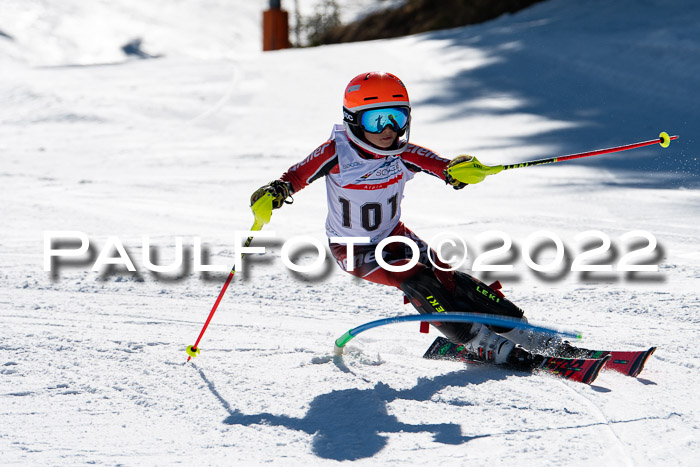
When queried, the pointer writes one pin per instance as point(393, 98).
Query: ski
point(443, 349)
point(629, 363)
point(584, 370)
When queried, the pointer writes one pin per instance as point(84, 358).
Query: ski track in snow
point(92, 367)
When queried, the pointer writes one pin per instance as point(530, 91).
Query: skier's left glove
point(456, 184)
point(468, 169)
point(279, 190)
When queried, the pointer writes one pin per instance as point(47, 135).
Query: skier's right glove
point(279, 190)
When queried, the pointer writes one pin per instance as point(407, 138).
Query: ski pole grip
point(469, 170)
point(262, 211)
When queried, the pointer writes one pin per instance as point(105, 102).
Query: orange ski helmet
point(370, 91)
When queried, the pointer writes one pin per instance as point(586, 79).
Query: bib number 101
point(370, 213)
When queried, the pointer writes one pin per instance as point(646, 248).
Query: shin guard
point(427, 294)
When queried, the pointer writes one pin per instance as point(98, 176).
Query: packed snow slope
point(92, 363)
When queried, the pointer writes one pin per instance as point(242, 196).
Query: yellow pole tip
point(664, 139)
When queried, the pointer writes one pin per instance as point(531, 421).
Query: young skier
point(366, 164)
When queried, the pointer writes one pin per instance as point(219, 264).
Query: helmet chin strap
point(377, 151)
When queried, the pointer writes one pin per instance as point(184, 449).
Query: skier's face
point(382, 140)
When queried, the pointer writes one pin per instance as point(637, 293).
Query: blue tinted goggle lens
point(375, 120)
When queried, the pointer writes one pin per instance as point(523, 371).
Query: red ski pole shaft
point(193, 349)
point(211, 313)
point(262, 210)
point(663, 140)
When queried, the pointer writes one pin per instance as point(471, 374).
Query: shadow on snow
point(349, 424)
point(606, 88)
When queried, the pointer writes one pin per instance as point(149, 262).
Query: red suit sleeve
point(319, 163)
point(420, 159)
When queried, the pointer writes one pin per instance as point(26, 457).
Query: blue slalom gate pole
point(490, 320)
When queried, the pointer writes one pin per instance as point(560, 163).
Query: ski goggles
point(375, 120)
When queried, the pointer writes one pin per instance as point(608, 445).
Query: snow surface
point(92, 363)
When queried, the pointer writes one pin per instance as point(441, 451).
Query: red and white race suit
point(364, 198)
point(364, 195)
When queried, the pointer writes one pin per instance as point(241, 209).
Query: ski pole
point(472, 171)
point(262, 210)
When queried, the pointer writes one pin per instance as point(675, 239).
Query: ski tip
point(593, 373)
point(639, 366)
